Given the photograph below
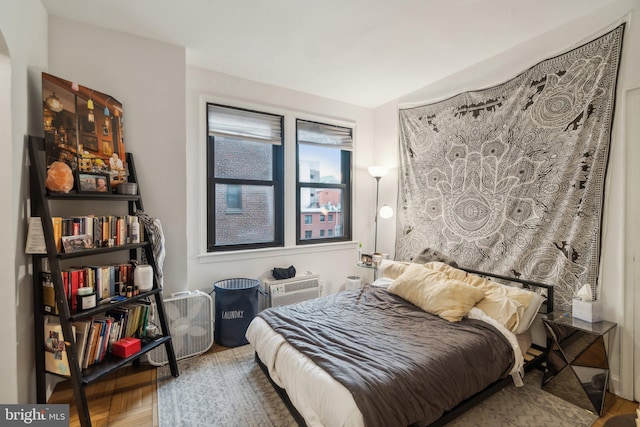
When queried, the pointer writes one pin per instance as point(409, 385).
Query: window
point(234, 198)
point(308, 219)
point(323, 179)
point(321, 233)
point(330, 218)
point(245, 158)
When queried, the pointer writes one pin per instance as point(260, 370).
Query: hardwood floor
point(128, 397)
point(124, 398)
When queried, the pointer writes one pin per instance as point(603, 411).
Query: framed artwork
point(93, 183)
point(87, 125)
point(107, 147)
point(78, 118)
point(90, 142)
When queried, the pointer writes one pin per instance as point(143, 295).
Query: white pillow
point(382, 282)
point(529, 313)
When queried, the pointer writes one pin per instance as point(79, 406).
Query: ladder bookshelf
point(41, 206)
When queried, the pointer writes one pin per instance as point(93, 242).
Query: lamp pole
point(377, 172)
point(375, 238)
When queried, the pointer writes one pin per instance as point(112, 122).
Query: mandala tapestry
point(511, 179)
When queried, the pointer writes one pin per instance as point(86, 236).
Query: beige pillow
point(392, 269)
point(506, 304)
point(433, 292)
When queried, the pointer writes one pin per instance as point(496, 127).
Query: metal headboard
point(547, 305)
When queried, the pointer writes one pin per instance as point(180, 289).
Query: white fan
point(190, 317)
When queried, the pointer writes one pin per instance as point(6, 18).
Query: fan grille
point(190, 318)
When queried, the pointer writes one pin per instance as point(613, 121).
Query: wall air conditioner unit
point(289, 291)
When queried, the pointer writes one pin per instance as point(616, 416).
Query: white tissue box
point(591, 311)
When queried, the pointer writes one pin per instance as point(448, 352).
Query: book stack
point(101, 231)
point(100, 332)
point(105, 280)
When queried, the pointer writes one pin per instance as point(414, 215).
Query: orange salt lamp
point(59, 177)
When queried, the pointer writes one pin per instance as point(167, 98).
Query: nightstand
point(577, 363)
point(372, 267)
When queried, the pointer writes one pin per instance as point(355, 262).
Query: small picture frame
point(77, 243)
point(366, 259)
point(93, 182)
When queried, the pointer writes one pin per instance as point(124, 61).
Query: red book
point(66, 285)
point(82, 278)
point(75, 284)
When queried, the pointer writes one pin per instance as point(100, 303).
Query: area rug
point(228, 388)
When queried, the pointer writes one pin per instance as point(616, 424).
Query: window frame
point(346, 185)
point(277, 182)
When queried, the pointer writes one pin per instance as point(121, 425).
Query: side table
point(370, 266)
point(577, 363)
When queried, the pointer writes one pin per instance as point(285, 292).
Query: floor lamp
point(385, 212)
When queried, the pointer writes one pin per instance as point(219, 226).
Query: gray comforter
point(402, 365)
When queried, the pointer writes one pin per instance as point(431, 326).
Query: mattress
point(318, 397)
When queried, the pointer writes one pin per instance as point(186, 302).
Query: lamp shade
point(378, 171)
point(386, 212)
point(54, 103)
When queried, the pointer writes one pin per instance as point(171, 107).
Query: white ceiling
point(364, 52)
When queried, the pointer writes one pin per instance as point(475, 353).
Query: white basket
point(190, 318)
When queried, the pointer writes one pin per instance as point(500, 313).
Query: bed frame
point(535, 359)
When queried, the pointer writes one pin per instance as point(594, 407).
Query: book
point(106, 331)
point(48, 294)
point(57, 232)
point(75, 284)
point(55, 347)
point(106, 232)
point(88, 347)
point(119, 319)
point(95, 332)
point(106, 282)
point(97, 231)
point(82, 335)
point(112, 280)
point(35, 237)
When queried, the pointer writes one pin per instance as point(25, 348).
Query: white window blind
point(244, 124)
point(323, 134)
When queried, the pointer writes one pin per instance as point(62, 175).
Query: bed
point(421, 346)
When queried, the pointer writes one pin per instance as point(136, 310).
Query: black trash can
point(236, 304)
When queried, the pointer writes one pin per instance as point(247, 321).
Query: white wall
point(615, 247)
point(386, 153)
point(148, 78)
point(333, 261)
point(151, 87)
point(23, 42)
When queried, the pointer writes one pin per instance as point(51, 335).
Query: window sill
point(212, 257)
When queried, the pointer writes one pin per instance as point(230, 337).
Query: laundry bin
point(236, 304)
